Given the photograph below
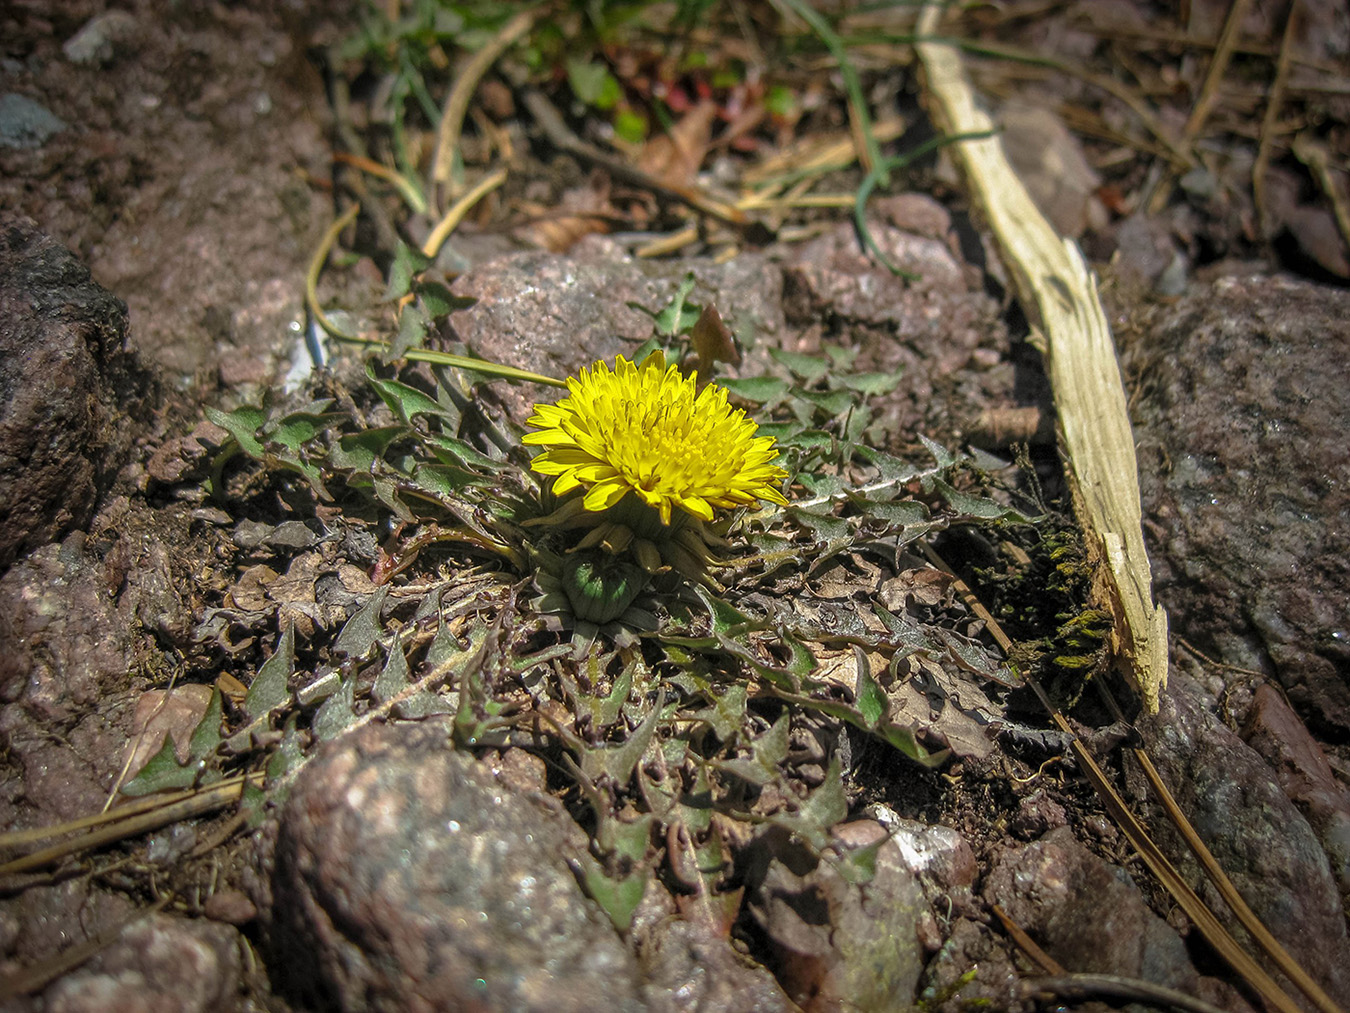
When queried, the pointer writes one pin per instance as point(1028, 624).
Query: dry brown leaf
point(177, 712)
point(674, 158)
point(581, 212)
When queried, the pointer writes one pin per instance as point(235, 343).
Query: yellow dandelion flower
point(648, 430)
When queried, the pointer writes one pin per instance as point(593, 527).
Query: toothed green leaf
point(408, 261)
point(359, 451)
point(676, 317)
point(243, 424)
point(413, 324)
point(162, 772)
point(269, 689)
point(404, 401)
point(759, 389)
point(944, 457)
point(726, 712)
point(438, 300)
point(361, 631)
point(617, 762)
point(871, 384)
point(828, 404)
point(206, 736)
point(821, 810)
point(766, 753)
point(808, 368)
point(335, 714)
point(619, 898)
point(872, 703)
point(977, 506)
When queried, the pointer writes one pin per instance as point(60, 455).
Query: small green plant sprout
point(642, 459)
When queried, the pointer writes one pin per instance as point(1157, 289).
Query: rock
point(234, 907)
point(209, 249)
point(181, 456)
point(837, 944)
point(941, 332)
point(407, 877)
point(1037, 814)
point(74, 636)
point(553, 314)
point(66, 386)
point(1049, 160)
point(1257, 835)
point(25, 123)
point(1274, 730)
point(688, 966)
point(97, 42)
point(949, 985)
point(47, 920)
point(1243, 469)
point(157, 965)
point(79, 622)
point(1145, 255)
point(833, 271)
point(64, 621)
point(1087, 915)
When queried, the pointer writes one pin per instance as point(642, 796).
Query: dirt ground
point(186, 158)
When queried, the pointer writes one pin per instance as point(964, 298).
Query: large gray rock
point(690, 965)
point(1232, 798)
point(554, 314)
point(407, 877)
point(1089, 916)
point(1302, 770)
point(1245, 476)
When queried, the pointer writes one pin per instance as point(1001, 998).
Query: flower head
point(648, 430)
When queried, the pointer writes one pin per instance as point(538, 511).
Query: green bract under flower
point(648, 430)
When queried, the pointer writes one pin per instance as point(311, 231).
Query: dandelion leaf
point(162, 772)
point(821, 810)
point(361, 631)
point(335, 714)
point(617, 762)
point(726, 713)
point(766, 753)
point(270, 686)
point(206, 736)
point(619, 898)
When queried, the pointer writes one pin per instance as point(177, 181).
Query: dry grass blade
point(114, 826)
point(1272, 114)
point(1277, 953)
point(456, 214)
point(1201, 916)
point(672, 243)
point(316, 267)
point(1166, 146)
point(1318, 160)
point(405, 187)
point(1054, 283)
point(457, 102)
point(561, 136)
point(1209, 90)
point(1218, 66)
point(1027, 945)
point(815, 156)
point(1150, 852)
